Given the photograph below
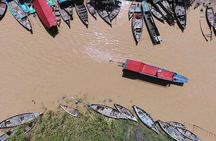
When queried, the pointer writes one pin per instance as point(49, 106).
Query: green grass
point(90, 126)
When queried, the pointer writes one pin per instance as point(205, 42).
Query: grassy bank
point(89, 126)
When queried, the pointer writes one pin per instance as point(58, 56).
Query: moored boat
point(91, 8)
point(45, 13)
point(131, 9)
point(172, 131)
point(146, 118)
point(70, 110)
point(19, 120)
point(82, 12)
point(137, 23)
point(3, 9)
point(157, 15)
point(65, 16)
point(107, 111)
point(19, 14)
point(66, 5)
point(188, 134)
point(180, 13)
point(125, 112)
point(105, 16)
point(115, 10)
point(153, 71)
point(150, 24)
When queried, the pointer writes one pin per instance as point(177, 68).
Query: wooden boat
point(157, 15)
point(19, 14)
point(172, 131)
point(153, 71)
point(131, 9)
point(65, 16)
point(150, 24)
point(107, 111)
point(137, 23)
point(105, 16)
point(91, 8)
point(180, 13)
point(210, 16)
point(188, 134)
point(115, 10)
point(19, 120)
point(82, 12)
point(176, 124)
point(145, 118)
point(13, 131)
point(125, 112)
point(45, 13)
point(67, 6)
point(69, 110)
point(165, 11)
point(3, 9)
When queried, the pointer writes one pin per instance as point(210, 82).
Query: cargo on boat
point(45, 13)
point(150, 24)
point(153, 71)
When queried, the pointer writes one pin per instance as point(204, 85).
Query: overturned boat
point(153, 71)
point(69, 110)
point(145, 118)
point(131, 9)
point(107, 111)
point(125, 112)
point(19, 120)
point(172, 131)
point(150, 24)
point(137, 23)
point(180, 13)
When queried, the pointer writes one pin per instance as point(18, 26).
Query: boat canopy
point(145, 6)
point(62, 1)
point(45, 13)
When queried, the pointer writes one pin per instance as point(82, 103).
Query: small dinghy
point(69, 110)
point(19, 120)
point(82, 12)
point(180, 13)
point(172, 131)
point(115, 10)
point(3, 9)
point(107, 111)
point(157, 15)
point(105, 16)
point(137, 23)
point(176, 124)
point(131, 9)
point(19, 14)
point(125, 112)
point(91, 8)
point(145, 118)
point(188, 134)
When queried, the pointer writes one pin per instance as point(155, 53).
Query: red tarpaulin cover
point(45, 13)
point(146, 69)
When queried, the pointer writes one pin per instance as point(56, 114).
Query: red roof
point(140, 67)
point(45, 13)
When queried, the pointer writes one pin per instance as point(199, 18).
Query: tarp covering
point(140, 67)
point(45, 13)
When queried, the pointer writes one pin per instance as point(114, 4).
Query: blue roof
point(145, 6)
point(62, 1)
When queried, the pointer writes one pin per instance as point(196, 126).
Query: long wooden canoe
point(82, 12)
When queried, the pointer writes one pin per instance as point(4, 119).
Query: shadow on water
point(134, 75)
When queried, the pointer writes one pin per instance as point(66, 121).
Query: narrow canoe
point(115, 10)
point(188, 134)
point(145, 118)
point(3, 9)
point(131, 10)
point(107, 111)
point(137, 23)
point(180, 13)
point(172, 131)
point(69, 110)
point(19, 14)
point(19, 120)
point(157, 15)
point(104, 15)
point(153, 71)
point(82, 12)
point(125, 112)
point(91, 8)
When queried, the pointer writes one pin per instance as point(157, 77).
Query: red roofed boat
point(45, 13)
point(153, 71)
